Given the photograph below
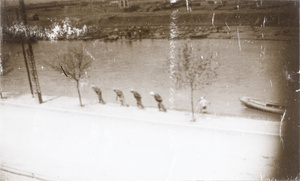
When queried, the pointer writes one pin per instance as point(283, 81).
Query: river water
point(255, 68)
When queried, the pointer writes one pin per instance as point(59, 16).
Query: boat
point(268, 106)
point(199, 36)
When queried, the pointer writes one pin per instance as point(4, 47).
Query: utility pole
point(28, 54)
point(6, 14)
point(25, 58)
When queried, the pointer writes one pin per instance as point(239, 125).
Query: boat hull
point(263, 105)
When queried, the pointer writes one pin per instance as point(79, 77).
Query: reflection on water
point(258, 70)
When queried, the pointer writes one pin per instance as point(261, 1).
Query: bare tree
point(5, 67)
point(74, 65)
point(194, 68)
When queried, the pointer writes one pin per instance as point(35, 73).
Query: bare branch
point(73, 64)
point(5, 67)
point(193, 71)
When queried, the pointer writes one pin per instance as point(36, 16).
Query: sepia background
point(130, 44)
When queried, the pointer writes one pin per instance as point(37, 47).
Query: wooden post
point(29, 53)
point(25, 59)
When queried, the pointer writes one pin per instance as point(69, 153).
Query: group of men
point(202, 103)
point(136, 95)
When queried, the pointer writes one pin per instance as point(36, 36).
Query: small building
point(35, 17)
point(119, 3)
point(123, 3)
point(114, 3)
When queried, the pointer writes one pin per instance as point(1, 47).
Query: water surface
point(257, 68)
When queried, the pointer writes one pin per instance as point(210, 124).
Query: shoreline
point(27, 100)
point(155, 20)
point(135, 33)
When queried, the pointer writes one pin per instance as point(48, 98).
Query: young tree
point(194, 68)
point(5, 67)
point(74, 65)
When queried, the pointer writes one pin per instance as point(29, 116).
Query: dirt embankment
point(247, 20)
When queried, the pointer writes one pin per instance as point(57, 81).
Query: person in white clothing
point(202, 105)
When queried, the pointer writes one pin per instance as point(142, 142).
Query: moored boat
point(199, 36)
point(263, 105)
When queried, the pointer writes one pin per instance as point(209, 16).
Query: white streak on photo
point(173, 34)
point(238, 35)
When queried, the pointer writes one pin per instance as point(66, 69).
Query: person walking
point(202, 105)
point(99, 93)
point(159, 100)
point(138, 98)
point(121, 97)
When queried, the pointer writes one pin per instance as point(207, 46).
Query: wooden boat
point(199, 36)
point(263, 105)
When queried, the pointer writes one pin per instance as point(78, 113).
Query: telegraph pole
point(28, 54)
point(6, 14)
point(25, 58)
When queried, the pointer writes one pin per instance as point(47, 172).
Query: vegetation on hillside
point(151, 19)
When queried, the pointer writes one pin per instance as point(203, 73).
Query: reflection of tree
point(192, 71)
point(5, 67)
point(74, 65)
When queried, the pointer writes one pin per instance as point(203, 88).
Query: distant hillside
point(16, 2)
point(151, 18)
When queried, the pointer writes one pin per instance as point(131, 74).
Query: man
point(120, 95)
point(158, 99)
point(138, 98)
point(202, 105)
point(99, 93)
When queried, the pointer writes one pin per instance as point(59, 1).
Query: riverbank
point(154, 20)
point(189, 32)
point(183, 118)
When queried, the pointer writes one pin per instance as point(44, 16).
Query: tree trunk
point(192, 101)
point(79, 95)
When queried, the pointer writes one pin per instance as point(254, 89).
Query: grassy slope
point(156, 17)
point(276, 13)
